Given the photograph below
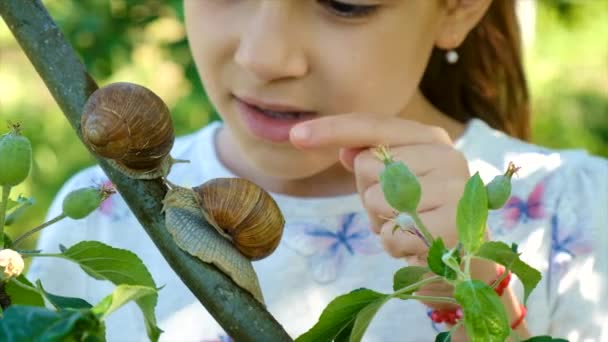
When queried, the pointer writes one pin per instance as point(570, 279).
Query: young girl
point(306, 89)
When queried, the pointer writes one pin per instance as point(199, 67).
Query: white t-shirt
point(559, 219)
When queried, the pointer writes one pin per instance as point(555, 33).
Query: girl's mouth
point(270, 124)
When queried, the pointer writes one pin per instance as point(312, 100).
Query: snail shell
point(191, 232)
point(131, 126)
point(242, 212)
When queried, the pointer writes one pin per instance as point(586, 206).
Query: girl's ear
point(461, 16)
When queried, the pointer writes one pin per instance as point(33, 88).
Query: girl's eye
point(346, 10)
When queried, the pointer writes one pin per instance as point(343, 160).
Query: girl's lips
point(268, 127)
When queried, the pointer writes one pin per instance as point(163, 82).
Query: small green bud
point(499, 189)
point(15, 157)
point(82, 202)
point(400, 186)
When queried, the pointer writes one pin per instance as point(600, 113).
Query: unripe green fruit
point(82, 202)
point(499, 190)
point(15, 158)
point(400, 187)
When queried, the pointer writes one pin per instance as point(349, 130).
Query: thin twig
point(430, 299)
point(417, 285)
point(36, 229)
point(6, 190)
point(428, 237)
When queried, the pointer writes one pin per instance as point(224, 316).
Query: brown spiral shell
point(130, 125)
point(242, 212)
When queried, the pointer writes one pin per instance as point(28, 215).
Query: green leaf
point(122, 295)
point(339, 314)
point(445, 336)
point(472, 214)
point(485, 318)
point(20, 295)
point(32, 323)
point(120, 267)
point(344, 335)
point(501, 253)
point(61, 303)
point(22, 204)
point(407, 276)
point(400, 187)
point(364, 318)
point(435, 261)
point(545, 338)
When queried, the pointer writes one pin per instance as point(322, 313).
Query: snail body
point(131, 126)
point(227, 222)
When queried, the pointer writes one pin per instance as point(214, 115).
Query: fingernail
point(301, 132)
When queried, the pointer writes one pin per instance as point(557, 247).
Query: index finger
point(363, 130)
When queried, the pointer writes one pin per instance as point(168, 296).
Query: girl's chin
point(288, 169)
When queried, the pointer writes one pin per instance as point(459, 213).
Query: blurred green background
point(143, 41)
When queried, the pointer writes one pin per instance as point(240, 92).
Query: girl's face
point(320, 56)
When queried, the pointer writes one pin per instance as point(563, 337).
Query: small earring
point(452, 56)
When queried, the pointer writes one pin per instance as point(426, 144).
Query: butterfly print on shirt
point(220, 338)
point(566, 244)
point(327, 247)
point(517, 210)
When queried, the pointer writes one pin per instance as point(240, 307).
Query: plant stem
point(34, 230)
point(54, 255)
point(500, 279)
point(450, 261)
point(456, 326)
point(6, 190)
point(416, 286)
point(425, 232)
point(467, 267)
point(430, 298)
point(24, 252)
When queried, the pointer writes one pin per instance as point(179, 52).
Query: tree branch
point(241, 316)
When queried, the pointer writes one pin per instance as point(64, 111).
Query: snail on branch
point(244, 224)
point(226, 221)
point(131, 126)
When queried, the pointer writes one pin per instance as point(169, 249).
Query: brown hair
point(488, 82)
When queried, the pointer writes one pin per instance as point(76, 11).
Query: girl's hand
point(428, 151)
point(441, 170)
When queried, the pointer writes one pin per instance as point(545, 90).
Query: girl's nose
point(270, 47)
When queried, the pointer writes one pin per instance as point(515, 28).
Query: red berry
point(436, 316)
point(453, 317)
point(449, 319)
